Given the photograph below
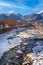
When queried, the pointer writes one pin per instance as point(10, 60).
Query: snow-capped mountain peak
point(12, 12)
point(40, 12)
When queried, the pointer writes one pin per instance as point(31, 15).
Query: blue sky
point(23, 7)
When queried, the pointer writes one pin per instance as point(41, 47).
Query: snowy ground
point(17, 34)
point(37, 58)
point(7, 44)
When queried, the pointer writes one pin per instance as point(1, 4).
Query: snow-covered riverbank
point(14, 38)
point(7, 44)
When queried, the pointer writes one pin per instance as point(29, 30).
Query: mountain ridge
point(18, 17)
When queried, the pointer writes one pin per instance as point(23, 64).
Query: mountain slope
point(18, 17)
point(33, 17)
point(15, 16)
point(3, 16)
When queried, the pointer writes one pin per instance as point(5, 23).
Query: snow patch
point(40, 12)
point(12, 12)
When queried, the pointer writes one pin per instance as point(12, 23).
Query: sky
point(23, 7)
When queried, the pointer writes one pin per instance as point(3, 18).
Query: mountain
point(30, 17)
point(18, 17)
point(34, 17)
point(3, 16)
point(40, 12)
point(15, 16)
point(11, 15)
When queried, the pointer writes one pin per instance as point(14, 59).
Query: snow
point(6, 44)
point(12, 12)
point(40, 12)
point(38, 49)
point(37, 58)
point(28, 33)
point(19, 51)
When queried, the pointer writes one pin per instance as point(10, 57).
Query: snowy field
point(13, 38)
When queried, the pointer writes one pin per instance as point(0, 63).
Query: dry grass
point(41, 29)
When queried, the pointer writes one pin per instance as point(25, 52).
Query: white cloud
point(5, 4)
point(22, 7)
point(14, 5)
